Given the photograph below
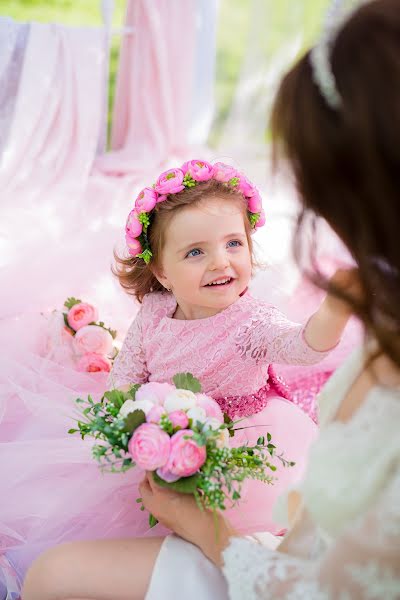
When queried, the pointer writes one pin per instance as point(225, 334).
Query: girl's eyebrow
point(203, 243)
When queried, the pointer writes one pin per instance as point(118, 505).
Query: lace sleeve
point(269, 336)
point(363, 564)
point(130, 364)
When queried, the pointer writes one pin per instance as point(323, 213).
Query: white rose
point(132, 405)
point(179, 400)
point(212, 423)
point(223, 438)
point(197, 414)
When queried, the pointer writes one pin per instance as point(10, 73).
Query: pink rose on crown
point(246, 187)
point(146, 200)
point(261, 219)
point(254, 203)
point(150, 447)
point(81, 314)
point(134, 246)
point(133, 226)
point(224, 173)
point(199, 170)
point(93, 338)
point(186, 457)
point(170, 182)
point(93, 363)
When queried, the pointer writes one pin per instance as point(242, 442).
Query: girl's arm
point(130, 364)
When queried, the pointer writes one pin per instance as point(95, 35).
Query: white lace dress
point(347, 545)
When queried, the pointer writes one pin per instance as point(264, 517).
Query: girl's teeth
point(220, 282)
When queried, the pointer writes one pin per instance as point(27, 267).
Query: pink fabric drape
point(154, 87)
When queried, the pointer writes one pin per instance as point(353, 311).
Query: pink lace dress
point(231, 354)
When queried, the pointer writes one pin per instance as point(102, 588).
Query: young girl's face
point(206, 260)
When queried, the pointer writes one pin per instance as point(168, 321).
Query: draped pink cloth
point(154, 86)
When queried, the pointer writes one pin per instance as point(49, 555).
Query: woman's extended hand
point(180, 513)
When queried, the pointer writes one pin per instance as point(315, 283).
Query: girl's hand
point(180, 513)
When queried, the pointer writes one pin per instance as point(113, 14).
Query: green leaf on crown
point(185, 485)
point(188, 181)
point(186, 381)
point(146, 255)
point(234, 181)
point(133, 420)
point(253, 218)
point(70, 302)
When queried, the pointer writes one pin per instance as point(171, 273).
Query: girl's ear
point(159, 275)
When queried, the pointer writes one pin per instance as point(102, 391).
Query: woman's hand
point(180, 513)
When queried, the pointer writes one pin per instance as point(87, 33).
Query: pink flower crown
point(174, 181)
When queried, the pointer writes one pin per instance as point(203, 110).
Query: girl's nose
point(219, 261)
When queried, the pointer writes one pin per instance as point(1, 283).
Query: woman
point(337, 120)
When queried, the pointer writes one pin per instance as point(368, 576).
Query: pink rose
point(246, 187)
point(155, 392)
point(162, 197)
point(133, 226)
point(93, 363)
point(80, 315)
point(254, 203)
point(261, 219)
point(179, 418)
point(211, 407)
point(224, 173)
point(134, 246)
point(150, 446)
point(93, 338)
point(146, 200)
point(170, 182)
point(154, 415)
point(186, 457)
point(200, 170)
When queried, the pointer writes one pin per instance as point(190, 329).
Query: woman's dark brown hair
point(134, 275)
point(346, 162)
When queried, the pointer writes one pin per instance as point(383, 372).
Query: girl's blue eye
point(234, 244)
point(194, 252)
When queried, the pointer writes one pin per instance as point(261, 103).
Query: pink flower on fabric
point(246, 187)
point(81, 314)
point(170, 182)
point(146, 200)
point(150, 446)
point(186, 456)
point(254, 203)
point(93, 363)
point(261, 219)
point(179, 418)
point(133, 226)
point(224, 173)
point(200, 170)
point(155, 392)
point(210, 406)
point(93, 338)
point(134, 246)
point(155, 414)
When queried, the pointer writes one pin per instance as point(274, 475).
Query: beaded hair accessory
point(320, 55)
point(174, 181)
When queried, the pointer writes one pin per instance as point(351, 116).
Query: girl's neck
point(191, 313)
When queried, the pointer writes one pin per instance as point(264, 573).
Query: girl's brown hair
point(134, 275)
point(346, 162)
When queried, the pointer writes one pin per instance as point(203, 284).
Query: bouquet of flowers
point(78, 338)
point(180, 435)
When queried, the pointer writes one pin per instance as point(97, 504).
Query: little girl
point(191, 261)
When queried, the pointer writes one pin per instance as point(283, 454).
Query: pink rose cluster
point(174, 181)
point(92, 342)
point(164, 443)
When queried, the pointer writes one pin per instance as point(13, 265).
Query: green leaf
point(152, 521)
point(186, 381)
point(70, 302)
point(132, 391)
point(116, 397)
point(73, 430)
point(185, 485)
point(260, 441)
point(269, 437)
point(133, 420)
point(236, 496)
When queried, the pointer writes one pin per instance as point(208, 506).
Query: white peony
point(179, 400)
point(223, 438)
point(197, 414)
point(132, 405)
point(212, 423)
